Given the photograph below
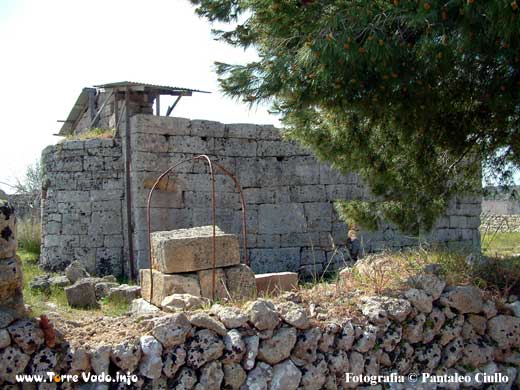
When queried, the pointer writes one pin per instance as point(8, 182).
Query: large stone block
point(281, 218)
point(206, 283)
point(8, 242)
point(187, 250)
point(275, 260)
point(276, 282)
point(164, 285)
point(240, 281)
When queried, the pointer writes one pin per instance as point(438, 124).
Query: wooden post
point(128, 165)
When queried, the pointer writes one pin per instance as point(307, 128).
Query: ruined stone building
point(95, 190)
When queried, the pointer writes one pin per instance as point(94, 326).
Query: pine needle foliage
point(416, 96)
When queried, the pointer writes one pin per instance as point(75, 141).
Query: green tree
point(415, 96)
point(31, 182)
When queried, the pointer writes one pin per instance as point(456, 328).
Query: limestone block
point(164, 285)
point(280, 148)
point(258, 196)
point(192, 144)
point(151, 124)
point(186, 250)
point(243, 130)
point(280, 219)
point(239, 147)
point(277, 260)
point(10, 277)
point(329, 175)
point(240, 281)
point(106, 222)
point(8, 242)
point(124, 293)
point(204, 128)
point(150, 142)
point(318, 216)
point(276, 282)
point(314, 193)
point(312, 256)
point(81, 294)
point(206, 283)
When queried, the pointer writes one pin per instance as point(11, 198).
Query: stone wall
point(501, 206)
point(289, 195)
point(27, 206)
point(444, 332)
point(82, 202)
point(500, 223)
point(290, 215)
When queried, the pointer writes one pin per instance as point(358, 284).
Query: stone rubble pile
point(182, 267)
point(83, 290)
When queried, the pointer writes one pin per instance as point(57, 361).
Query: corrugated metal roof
point(145, 86)
point(81, 104)
point(77, 110)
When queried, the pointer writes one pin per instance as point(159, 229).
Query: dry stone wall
point(289, 196)
point(500, 223)
point(445, 332)
point(11, 298)
point(82, 202)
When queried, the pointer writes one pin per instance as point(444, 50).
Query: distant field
point(501, 244)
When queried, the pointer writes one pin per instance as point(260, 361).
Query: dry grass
point(29, 236)
point(94, 133)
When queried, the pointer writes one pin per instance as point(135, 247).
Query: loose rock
point(174, 358)
point(75, 271)
point(262, 314)
point(181, 302)
point(234, 376)
point(279, 347)
point(26, 334)
point(204, 347)
point(150, 365)
point(171, 330)
point(126, 355)
point(231, 317)
point(464, 299)
point(286, 376)
point(204, 320)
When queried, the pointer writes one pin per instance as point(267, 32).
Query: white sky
point(52, 49)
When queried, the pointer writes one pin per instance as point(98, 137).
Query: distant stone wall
point(82, 205)
point(501, 206)
point(289, 196)
point(500, 223)
point(27, 206)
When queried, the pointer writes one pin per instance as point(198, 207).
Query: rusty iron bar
point(212, 177)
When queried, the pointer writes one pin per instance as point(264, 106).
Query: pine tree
point(415, 96)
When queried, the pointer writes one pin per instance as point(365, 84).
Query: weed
point(92, 134)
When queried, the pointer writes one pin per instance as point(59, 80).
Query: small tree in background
point(31, 182)
point(412, 95)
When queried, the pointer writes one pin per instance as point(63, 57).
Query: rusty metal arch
point(211, 164)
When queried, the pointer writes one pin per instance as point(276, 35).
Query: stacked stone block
point(289, 196)
point(291, 220)
point(82, 206)
point(11, 298)
point(182, 263)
